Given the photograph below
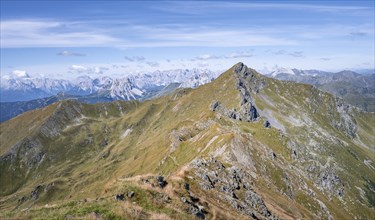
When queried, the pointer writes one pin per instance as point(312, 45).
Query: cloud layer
point(80, 69)
point(66, 53)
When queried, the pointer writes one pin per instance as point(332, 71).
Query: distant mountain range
point(21, 94)
point(357, 89)
point(131, 87)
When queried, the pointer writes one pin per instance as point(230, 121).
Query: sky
point(67, 39)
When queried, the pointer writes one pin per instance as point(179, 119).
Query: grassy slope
point(93, 171)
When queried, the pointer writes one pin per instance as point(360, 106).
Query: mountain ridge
point(124, 88)
point(210, 138)
point(356, 89)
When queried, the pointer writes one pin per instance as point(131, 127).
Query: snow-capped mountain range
point(22, 87)
point(280, 71)
point(19, 92)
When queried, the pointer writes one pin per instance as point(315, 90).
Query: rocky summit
point(244, 146)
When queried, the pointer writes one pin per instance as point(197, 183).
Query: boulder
point(187, 186)
point(131, 194)
point(161, 182)
point(267, 124)
point(215, 105)
point(35, 193)
point(119, 197)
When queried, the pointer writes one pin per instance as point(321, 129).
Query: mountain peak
point(261, 144)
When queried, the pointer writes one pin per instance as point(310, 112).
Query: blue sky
point(65, 39)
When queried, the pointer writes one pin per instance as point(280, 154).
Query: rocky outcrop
point(66, 111)
point(330, 181)
point(161, 181)
point(232, 185)
point(34, 195)
point(194, 206)
point(340, 114)
point(249, 78)
point(248, 81)
point(267, 124)
point(28, 151)
point(346, 122)
point(215, 105)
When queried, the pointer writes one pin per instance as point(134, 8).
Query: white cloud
point(32, 33)
point(135, 58)
point(20, 74)
point(299, 54)
point(203, 64)
point(153, 64)
point(69, 53)
point(325, 59)
point(358, 34)
point(240, 54)
point(296, 54)
point(45, 33)
point(204, 7)
point(233, 55)
point(79, 68)
point(206, 57)
point(166, 36)
point(87, 70)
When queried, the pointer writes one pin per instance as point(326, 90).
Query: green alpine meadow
point(244, 146)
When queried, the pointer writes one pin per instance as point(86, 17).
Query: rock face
point(249, 77)
point(66, 112)
point(248, 82)
point(330, 181)
point(232, 185)
point(30, 150)
point(346, 122)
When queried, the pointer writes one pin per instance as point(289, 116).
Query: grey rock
point(255, 201)
point(195, 211)
point(252, 113)
point(66, 112)
point(183, 199)
point(233, 114)
point(22, 199)
point(273, 155)
point(161, 182)
point(198, 163)
point(331, 182)
point(186, 186)
point(227, 181)
point(131, 194)
point(347, 123)
point(104, 142)
point(215, 105)
point(35, 193)
point(267, 124)
point(250, 78)
point(206, 186)
point(119, 197)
